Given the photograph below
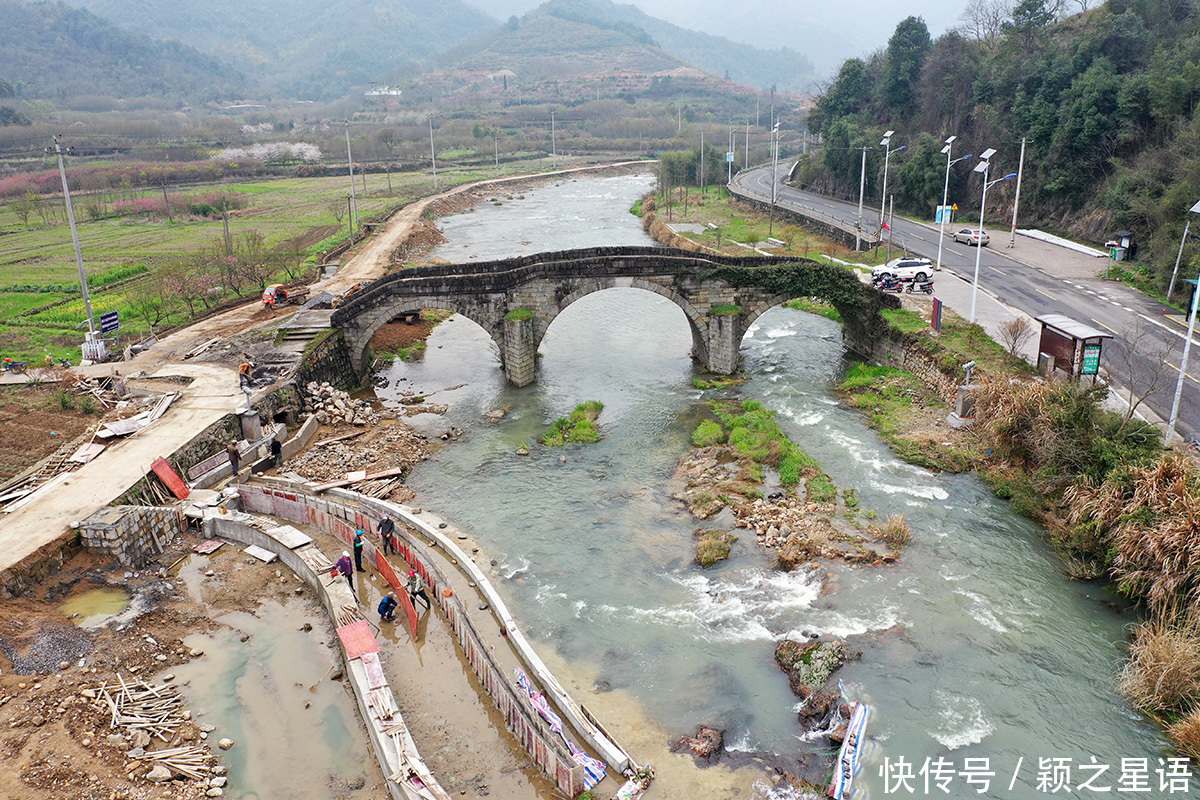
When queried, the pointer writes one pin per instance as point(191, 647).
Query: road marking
point(1052, 297)
point(1002, 272)
point(1172, 366)
point(1102, 325)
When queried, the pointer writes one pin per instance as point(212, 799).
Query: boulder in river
point(706, 745)
point(810, 664)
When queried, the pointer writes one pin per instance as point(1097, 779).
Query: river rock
point(810, 664)
point(140, 739)
point(217, 783)
point(160, 774)
point(225, 744)
point(214, 792)
point(706, 745)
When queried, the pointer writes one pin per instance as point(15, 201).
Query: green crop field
point(291, 214)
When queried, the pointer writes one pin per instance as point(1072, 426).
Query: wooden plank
point(163, 470)
point(343, 437)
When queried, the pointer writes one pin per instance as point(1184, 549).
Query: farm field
point(296, 219)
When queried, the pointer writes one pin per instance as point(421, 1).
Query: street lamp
point(982, 168)
point(774, 179)
point(1187, 346)
point(862, 182)
point(946, 194)
point(887, 154)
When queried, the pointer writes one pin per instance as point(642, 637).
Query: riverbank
point(1063, 459)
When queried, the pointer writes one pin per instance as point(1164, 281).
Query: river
point(991, 653)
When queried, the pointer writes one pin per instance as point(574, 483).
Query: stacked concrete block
point(133, 534)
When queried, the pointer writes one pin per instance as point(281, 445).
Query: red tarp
point(385, 569)
point(163, 470)
point(357, 638)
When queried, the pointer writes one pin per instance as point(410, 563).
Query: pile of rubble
point(332, 406)
point(379, 449)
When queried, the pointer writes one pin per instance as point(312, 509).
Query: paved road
point(1036, 278)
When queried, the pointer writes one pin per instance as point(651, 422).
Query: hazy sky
point(827, 32)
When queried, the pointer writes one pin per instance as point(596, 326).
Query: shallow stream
point(990, 653)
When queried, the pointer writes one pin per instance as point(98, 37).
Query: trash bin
point(1118, 253)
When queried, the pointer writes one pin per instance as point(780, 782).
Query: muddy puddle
point(252, 685)
point(93, 608)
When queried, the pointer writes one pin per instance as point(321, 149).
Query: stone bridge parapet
point(515, 300)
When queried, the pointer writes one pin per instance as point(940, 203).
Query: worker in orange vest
point(244, 376)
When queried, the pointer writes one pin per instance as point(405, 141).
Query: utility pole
point(702, 184)
point(350, 161)
point(167, 203)
point(729, 157)
point(678, 120)
point(432, 156)
point(553, 149)
point(496, 144)
point(87, 298)
point(774, 182)
point(225, 223)
point(746, 155)
point(1012, 239)
point(862, 184)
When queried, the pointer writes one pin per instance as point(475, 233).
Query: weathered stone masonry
point(547, 283)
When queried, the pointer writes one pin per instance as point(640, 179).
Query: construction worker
point(416, 588)
point(244, 376)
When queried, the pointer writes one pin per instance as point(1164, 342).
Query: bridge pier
point(520, 351)
point(724, 339)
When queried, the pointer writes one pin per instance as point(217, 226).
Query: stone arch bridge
point(516, 299)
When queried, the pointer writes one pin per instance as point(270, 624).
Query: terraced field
point(291, 214)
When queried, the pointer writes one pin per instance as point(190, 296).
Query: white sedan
point(972, 236)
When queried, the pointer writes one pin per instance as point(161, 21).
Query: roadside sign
point(729, 157)
point(936, 321)
point(943, 214)
point(110, 322)
point(954, 207)
point(1091, 359)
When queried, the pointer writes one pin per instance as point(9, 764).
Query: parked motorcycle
point(893, 285)
point(924, 287)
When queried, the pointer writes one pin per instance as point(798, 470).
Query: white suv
point(907, 268)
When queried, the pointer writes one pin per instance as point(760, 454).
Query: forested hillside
point(50, 51)
point(1106, 99)
point(304, 48)
point(783, 67)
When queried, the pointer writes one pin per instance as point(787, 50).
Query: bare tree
point(1015, 333)
point(1140, 361)
point(983, 19)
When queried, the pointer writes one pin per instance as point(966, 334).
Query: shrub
point(1163, 671)
point(1185, 734)
point(65, 400)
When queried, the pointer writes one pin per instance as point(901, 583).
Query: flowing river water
point(977, 647)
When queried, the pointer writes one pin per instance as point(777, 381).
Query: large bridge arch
point(369, 324)
point(515, 300)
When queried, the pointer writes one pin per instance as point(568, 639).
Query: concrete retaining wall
point(390, 751)
point(342, 512)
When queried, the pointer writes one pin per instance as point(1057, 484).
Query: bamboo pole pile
point(158, 712)
point(191, 762)
point(140, 706)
